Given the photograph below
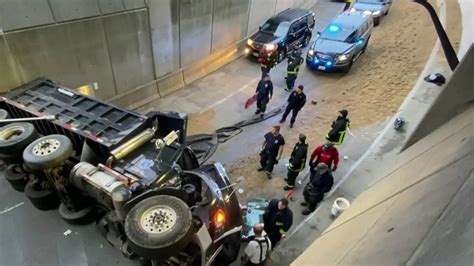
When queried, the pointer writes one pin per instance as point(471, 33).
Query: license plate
point(322, 67)
point(255, 54)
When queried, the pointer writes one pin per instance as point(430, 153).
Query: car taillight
point(219, 218)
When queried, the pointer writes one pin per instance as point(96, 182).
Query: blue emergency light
point(328, 63)
point(333, 28)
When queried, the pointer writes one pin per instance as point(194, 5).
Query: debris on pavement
point(67, 232)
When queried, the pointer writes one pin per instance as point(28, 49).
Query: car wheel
point(17, 177)
point(47, 152)
point(365, 45)
point(377, 21)
point(82, 216)
point(306, 40)
point(348, 68)
point(14, 138)
point(159, 227)
point(42, 198)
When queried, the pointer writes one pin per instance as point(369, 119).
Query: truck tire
point(47, 152)
point(159, 227)
point(82, 216)
point(13, 140)
point(42, 199)
point(17, 177)
point(3, 115)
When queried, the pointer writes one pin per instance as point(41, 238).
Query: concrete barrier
point(126, 46)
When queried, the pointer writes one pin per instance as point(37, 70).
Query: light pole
point(443, 37)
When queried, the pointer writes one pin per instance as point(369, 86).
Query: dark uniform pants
point(274, 236)
point(267, 161)
point(312, 199)
point(262, 104)
point(290, 81)
point(292, 175)
point(293, 115)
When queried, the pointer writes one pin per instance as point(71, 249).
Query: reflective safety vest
point(294, 71)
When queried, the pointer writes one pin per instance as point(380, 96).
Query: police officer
point(296, 101)
point(320, 182)
point(264, 93)
point(297, 162)
point(294, 62)
point(338, 128)
point(272, 149)
point(277, 220)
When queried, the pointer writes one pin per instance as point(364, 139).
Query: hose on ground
point(205, 145)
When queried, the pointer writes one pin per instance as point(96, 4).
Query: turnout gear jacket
point(294, 64)
point(275, 220)
point(298, 157)
point(338, 130)
point(320, 155)
point(320, 183)
point(296, 101)
point(264, 89)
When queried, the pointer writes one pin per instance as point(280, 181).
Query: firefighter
point(339, 128)
point(325, 153)
point(277, 220)
point(272, 149)
point(297, 161)
point(294, 62)
point(347, 4)
point(264, 93)
point(296, 101)
point(320, 182)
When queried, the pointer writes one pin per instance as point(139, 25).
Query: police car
point(341, 43)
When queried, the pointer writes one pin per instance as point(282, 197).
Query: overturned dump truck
point(132, 174)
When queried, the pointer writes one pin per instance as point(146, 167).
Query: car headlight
point(270, 47)
point(249, 42)
point(343, 57)
point(366, 12)
point(311, 52)
point(376, 13)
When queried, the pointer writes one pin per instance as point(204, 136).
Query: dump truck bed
point(77, 116)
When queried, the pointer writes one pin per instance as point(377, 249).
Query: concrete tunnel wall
point(136, 50)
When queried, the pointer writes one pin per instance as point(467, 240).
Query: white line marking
point(228, 97)
point(11, 208)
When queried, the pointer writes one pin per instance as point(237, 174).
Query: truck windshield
point(338, 33)
point(275, 29)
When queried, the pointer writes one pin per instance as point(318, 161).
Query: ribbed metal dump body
point(77, 116)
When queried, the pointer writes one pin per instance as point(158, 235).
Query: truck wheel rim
point(158, 219)
point(10, 133)
point(46, 147)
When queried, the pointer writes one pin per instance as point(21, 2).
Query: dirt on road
point(372, 92)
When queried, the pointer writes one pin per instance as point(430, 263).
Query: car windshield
point(370, 1)
point(275, 29)
point(338, 33)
